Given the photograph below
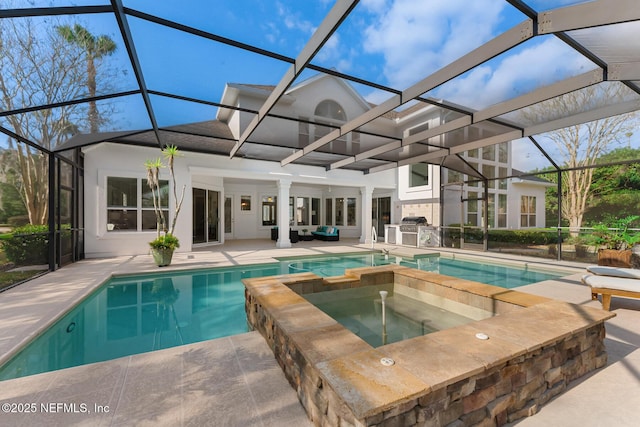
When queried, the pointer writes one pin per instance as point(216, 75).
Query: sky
point(394, 43)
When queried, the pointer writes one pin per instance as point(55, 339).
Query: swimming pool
point(136, 314)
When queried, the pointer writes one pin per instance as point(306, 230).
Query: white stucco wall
point(517, 189)
point(235, 176)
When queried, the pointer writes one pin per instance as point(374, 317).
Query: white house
point(244, 197)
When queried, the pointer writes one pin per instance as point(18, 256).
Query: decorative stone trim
point(536, 347)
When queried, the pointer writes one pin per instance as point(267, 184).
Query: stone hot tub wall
point(536, 347)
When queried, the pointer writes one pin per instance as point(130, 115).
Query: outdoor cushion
point(629, 273)
point(610, 282)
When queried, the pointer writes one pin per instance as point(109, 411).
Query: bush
point(18, 221)
point(525, 237)
point(27, 245)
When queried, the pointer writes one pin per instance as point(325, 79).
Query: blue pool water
point(136, 314)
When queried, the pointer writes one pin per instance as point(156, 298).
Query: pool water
point(136, 314)
point(360, 311)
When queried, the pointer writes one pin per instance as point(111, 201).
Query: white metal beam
point(329, 25)
point(439, 154)
point(487, 51)
point(624, 71)
point(590, 14)
point(541, 94)
point(584, 117)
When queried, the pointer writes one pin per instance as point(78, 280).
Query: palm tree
point(94, 48)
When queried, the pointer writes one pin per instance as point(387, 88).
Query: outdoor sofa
point(325, 232)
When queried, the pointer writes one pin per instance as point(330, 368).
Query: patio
point(235, 380)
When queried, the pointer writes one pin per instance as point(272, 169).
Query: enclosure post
point(485, 211)
point(559, 242)
point(52, 212)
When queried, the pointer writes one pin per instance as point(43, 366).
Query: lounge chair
point(612, 281)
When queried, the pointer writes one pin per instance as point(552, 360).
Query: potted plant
point(614, 242)
point(165, 243)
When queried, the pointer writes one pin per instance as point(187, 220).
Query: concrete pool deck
point(235, 380)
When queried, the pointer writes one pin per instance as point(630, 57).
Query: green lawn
point(9, 278)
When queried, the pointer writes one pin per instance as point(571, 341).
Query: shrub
point(18, 221)
point(27, 245)
point(525, 237)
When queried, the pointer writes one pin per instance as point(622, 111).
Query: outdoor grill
point(410, 224)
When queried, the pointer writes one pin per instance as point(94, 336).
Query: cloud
point(293, 21)
point(540, 63)
point(416, 37)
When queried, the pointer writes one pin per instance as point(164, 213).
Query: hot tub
point(494, 370)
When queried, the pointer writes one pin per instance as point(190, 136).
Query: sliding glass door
point(206, 216)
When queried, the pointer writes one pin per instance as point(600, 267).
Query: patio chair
point(612, 281)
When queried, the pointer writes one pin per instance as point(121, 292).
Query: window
point(502, 184)
point(420, 128)
point(339, 211)
point(130, 204)
point(453, 176)
point(502, 210)
point(528, 211)
point(418, 175)
point(489, 172)
point(491, 210)
point(292, 217)
point(503, 152)
point(331, 110)
point(149, 220)
point(489, 153)
point(302, 211)
point(245, 203)
point(472, 209)
point(303, 132)
point(345, 211)
point(351, 211)
point(474, 165)
point(269, 210)
point(315, 211)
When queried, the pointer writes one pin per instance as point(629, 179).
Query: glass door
point(381, 215)
point(228, 217)
point(206, 216)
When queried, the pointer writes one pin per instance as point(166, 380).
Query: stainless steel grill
point(410, 224)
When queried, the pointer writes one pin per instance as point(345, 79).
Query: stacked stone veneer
point(536, 347)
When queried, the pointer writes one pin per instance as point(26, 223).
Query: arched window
point(330, 110)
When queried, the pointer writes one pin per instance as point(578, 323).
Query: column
point(284, 185)
point(366, 194)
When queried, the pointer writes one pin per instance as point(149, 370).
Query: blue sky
point(394, 43)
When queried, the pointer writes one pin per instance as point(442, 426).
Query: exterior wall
point(519, 188)
point(419, 201)
point(229, 176)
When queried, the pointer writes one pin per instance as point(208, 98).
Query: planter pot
point(614, 258)
point(162, 257)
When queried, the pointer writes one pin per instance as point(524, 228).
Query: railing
point(374, 236)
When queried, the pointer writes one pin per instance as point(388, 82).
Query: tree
point(39, 67)
point(615, 188)
point(94, 48)
point(11, 202)
point(580, 146)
